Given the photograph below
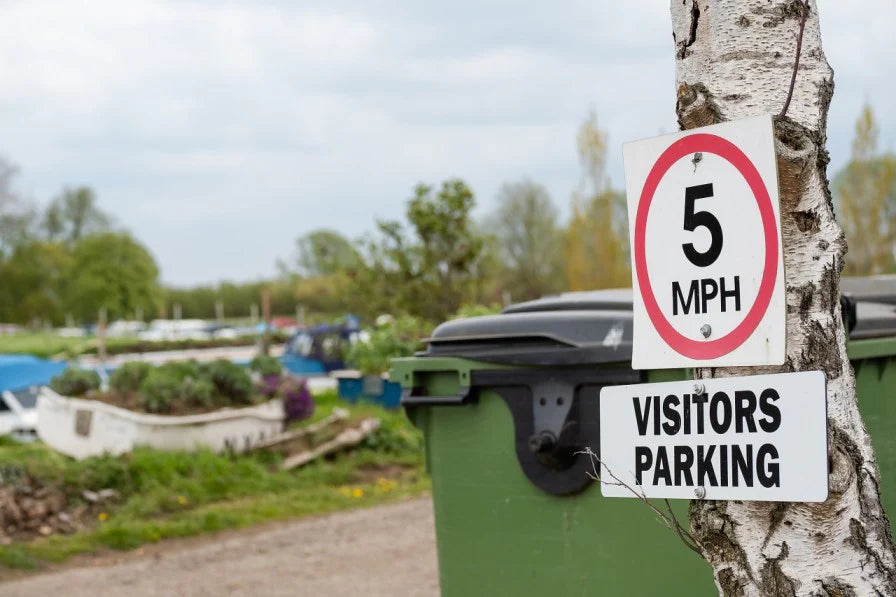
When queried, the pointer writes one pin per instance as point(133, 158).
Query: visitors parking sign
point(705, 230)
point(762, 437)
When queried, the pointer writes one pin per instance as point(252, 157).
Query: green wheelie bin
point(507, 404)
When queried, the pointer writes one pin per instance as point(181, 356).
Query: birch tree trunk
point(735, 58)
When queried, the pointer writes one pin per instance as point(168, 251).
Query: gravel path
point(374, 552)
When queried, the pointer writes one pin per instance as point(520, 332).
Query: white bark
point(734, 59)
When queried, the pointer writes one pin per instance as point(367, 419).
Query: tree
point(195, 302)
point(111, 270)
point(596, 238)
point(323, 252)
point(74, 214)
point(16, 214)
point(733, 60)
point(430, 267)
point(34, 282)
point(529, 241)
point(866, 194)
point(328, 295)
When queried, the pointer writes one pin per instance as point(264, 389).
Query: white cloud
point(219, 131)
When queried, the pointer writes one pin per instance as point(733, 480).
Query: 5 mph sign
point(707, 265)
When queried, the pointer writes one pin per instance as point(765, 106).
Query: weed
point(75, 382)
point(128, 378)
point(177, 494)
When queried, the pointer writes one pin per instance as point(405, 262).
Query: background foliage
point(65, 261)
point(865, 194)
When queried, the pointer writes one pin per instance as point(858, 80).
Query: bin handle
point(417, 395)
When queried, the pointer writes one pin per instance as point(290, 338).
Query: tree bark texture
point(734, 59)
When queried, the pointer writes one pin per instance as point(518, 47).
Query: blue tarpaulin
point(21, 370)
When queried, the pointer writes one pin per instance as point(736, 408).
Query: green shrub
point(393, 338)
point(75, 382)
point(159, 390)
point(176, 385)
point(127, 378)
point(266, 366)
point(230, 381)
point(471, 310)
point(198, 391)
point(395, 436)
point(182, 369)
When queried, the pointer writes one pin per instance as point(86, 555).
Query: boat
point(318, 350)
point(20, 377)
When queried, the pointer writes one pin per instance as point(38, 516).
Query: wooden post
point(101, 335)
point(505, 298)
point(266, 313)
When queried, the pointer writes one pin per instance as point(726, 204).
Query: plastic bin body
point(358, 388)
point(500, 534)
point(349, 388)
point(874, 361)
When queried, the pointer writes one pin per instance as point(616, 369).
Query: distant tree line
point(68, 260)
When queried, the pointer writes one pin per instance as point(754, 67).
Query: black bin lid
point(874, 320)
point(573, 328)
point(876, 289)
point(615, 299)
point(594, 327)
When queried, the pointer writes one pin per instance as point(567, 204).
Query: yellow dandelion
point(102, 516)
point(385, 485)
point(357, 492)
point(181, 499)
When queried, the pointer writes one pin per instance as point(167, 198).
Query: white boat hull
point(82, 428)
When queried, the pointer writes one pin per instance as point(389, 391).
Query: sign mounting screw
point(706, 330)
point(699, 388)
point(700, 492)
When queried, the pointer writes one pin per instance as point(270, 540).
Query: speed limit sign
point(707, 264)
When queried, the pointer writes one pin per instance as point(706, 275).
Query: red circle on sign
point(706, 143)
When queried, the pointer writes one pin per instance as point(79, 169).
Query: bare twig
point(796, 61)
point(683, 533)
point(668, 519)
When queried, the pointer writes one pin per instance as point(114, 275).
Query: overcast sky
point(218, 132)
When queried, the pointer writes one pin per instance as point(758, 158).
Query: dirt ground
point(375, 552)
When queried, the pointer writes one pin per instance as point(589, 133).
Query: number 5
point(693, 220)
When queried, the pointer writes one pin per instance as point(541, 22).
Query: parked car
point(176, 329)
point(122, 327)
point(71, 332)
point(225, 332)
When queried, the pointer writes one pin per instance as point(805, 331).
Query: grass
point(45, 345)
point(169, 494)
point(48, 345)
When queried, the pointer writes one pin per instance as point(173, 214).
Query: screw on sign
point(705, 230)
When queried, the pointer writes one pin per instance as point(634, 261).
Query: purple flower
point(298, 404)
point(269, 385)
